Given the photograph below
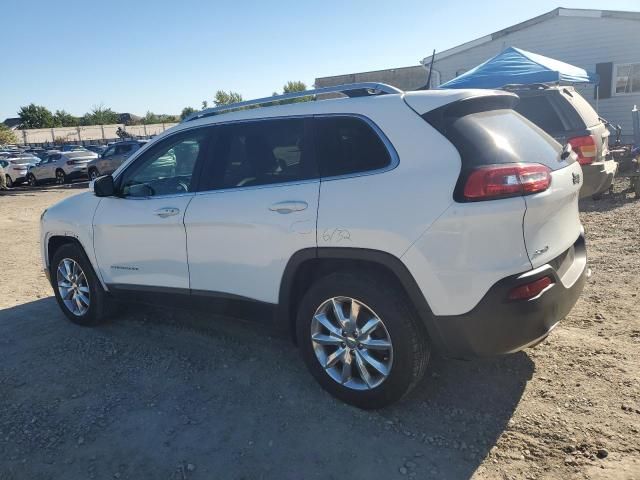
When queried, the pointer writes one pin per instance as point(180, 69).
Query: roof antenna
point(427, 86)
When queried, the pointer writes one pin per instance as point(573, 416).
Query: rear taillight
point(530, 290)
point(507, 180)
point(585, 147)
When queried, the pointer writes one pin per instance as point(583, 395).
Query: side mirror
point(104, 187)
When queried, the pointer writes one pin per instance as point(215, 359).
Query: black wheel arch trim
point(285, 317)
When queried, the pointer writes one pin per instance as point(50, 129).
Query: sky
point(162, 55)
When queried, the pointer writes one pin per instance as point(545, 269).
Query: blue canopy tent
point(515, 66)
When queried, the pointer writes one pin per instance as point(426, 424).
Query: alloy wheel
point(60, 177)
point(32, 181)
point(9, 181)
point(351, 343)
point(93, 175)
point(73, 287)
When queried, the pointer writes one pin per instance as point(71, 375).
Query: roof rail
point(350, 90)
point(526, 86)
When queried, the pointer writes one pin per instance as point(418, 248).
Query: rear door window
point(259, 153)
point(347, 145)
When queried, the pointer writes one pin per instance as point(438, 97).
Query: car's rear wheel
point(77, 288)
point(9, 181)
point(93, 174)
point(361, 340)
point(31, 180)
point(61, 177)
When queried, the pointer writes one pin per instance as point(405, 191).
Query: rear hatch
point(499, 144)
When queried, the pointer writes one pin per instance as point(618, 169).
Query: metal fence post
point(635, 116)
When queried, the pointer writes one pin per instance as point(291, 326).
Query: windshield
point(83, 154)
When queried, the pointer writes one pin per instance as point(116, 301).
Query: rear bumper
point(598, 177)
point(498, 325)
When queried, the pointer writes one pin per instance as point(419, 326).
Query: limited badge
point(576, 178)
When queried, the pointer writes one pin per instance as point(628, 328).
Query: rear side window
point(346, 145)
point(539, 110)
point(259, 153)
point(501, 136)
point(584, 108)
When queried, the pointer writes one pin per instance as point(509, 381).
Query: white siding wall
point(576, 40)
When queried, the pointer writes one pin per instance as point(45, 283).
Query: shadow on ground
point(168, 394)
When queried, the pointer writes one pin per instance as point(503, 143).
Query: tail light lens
point(530, 290)
point(585, 147)
point(507, 180)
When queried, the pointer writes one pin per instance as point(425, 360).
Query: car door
point(49, 169)
point(139, 235)
point(103, 163)
point(258, 206)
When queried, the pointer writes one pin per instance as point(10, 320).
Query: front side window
point(109, 152)
point(166, 169)
point(347, 145)
point(628, 78)
point(259, 153)
point(123, 148)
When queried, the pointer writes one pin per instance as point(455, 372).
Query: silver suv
point(113, 157)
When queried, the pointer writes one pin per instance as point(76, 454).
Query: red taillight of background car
point(530, 290)
point(507, 180)
point(585, 147)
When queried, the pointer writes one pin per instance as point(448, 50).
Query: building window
point(627, 78)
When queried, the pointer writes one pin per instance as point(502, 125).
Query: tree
point(63, 119)
point(7, 135)
point(293, 87)
point(205, 104)
point(226, 98)
point(99, 115)
point(35, 116)
point(150, 118)
point(186, 111)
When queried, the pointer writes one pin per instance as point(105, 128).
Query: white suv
point(374, 229)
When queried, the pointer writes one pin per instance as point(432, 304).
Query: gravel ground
point(172, 395)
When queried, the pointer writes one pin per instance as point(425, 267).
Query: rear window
point(348, 145)
point(540, 111)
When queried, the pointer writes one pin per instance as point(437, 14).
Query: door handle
point(288, 206)
point(167, 212)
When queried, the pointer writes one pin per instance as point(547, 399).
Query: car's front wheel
point(77, 288)
point(9, 181)
point(93, 174)
point(360, 339)
point(31, 180)
point(61, 177)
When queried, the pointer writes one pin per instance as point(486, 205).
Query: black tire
point(93, 174)
point(31, 180)
point(100, 305)
point(407, 334)
point(9, 181)
point(61, 177)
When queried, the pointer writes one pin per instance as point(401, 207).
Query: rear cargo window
point(347, 145)
point(539, 110)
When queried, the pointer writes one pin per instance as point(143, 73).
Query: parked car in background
point(113, 157)
point(72, 148)
point(565, 115)
point(60, 167)
point(374, 230)
point(99, 149)
point(16, 168)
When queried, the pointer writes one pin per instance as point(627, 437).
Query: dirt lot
point(174, 395)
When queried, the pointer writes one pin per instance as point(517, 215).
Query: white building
point(601, 41)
